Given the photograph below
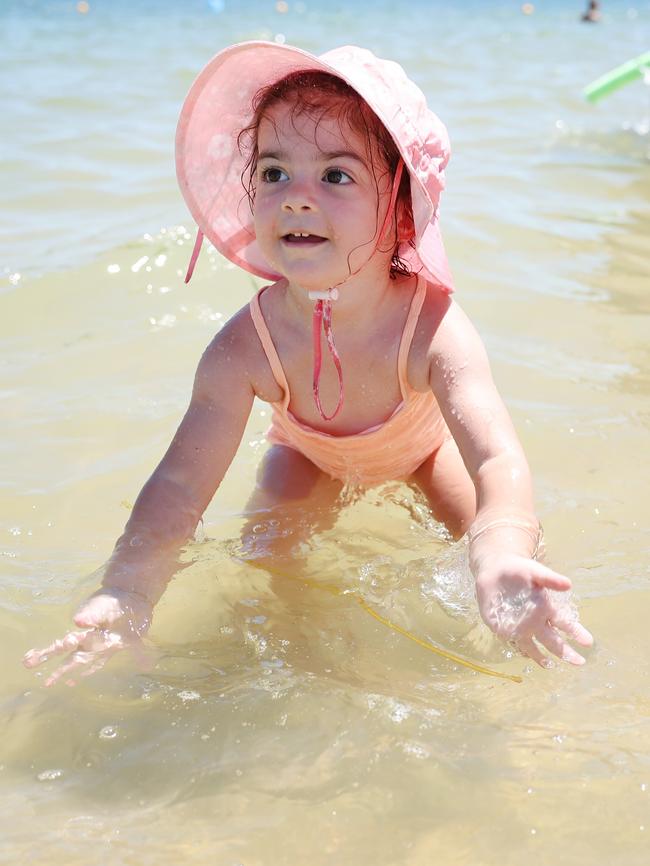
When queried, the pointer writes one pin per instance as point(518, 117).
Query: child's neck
point(359, 297)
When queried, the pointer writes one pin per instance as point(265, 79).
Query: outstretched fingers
point(569, 624)
point(77, 660)
point(88, 649)
point(88, 661)
point(554, 643)
point(548, 637)
point(545, 578)
point(69, 643)
point(528, 647)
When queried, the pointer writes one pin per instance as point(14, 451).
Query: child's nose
point(299, 198)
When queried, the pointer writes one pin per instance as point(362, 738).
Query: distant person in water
point(323, 176)
point(593, 11)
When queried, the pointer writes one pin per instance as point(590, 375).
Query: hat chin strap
point(195, 255)
point(322, 316)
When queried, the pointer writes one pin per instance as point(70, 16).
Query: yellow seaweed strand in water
point(436, 649)
point(452, 657)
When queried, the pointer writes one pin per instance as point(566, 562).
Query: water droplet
point(49, 775)
point(109, 732)
point(135, 267)
point(189, 695)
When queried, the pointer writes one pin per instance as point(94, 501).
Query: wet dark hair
point(318, 95)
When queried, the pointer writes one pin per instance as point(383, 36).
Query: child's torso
point(386, 428)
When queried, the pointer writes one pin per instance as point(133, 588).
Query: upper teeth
point(300, 234)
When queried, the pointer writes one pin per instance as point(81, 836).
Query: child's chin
point(312, 280)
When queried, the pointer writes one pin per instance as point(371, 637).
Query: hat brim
point(430, 257)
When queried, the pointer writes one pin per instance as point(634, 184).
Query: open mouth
point(302, 239)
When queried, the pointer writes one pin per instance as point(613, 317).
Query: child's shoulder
point(236, 336)
point(442, 318)
point(443, 329)
point(237, 344)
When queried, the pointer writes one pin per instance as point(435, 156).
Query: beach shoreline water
point(278, 724)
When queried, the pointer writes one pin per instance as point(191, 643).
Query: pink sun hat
point(209, 164)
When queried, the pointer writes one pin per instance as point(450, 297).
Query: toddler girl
point(323, 176)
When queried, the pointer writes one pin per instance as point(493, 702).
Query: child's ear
point(405, 226)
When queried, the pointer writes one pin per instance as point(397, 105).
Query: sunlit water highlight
point(273, 722)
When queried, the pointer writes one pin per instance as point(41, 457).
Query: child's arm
point(512, 587)
point(167, 509)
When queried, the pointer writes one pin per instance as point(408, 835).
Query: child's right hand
point(109, 621)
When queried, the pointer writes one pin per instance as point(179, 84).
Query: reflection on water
point(273, 721)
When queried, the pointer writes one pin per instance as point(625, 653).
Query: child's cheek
point(265, 235)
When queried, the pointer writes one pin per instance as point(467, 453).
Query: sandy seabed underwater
point(277, 723)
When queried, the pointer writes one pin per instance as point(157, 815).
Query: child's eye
point(336, 175)
point(274, 175)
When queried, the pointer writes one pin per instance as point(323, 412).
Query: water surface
point(279, 724)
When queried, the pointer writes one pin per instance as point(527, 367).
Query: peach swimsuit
point(392, 450)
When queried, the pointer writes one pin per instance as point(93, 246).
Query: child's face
point(319, 204)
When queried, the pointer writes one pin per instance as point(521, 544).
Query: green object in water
point(616, 78)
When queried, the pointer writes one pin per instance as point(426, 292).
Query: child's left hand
point(514, 601)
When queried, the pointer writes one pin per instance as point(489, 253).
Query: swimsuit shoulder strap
point(268, 345)
point(407, 334)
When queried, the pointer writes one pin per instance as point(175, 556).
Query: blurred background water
point(278, 724)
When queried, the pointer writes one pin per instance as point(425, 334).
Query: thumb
point(97, 612)
point(85, 618)
point(546, 578)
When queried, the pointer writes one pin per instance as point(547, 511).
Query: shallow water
point(276, 722)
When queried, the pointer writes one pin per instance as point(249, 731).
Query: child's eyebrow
point(278, 155)
point(325, 156)
point(342, 154)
